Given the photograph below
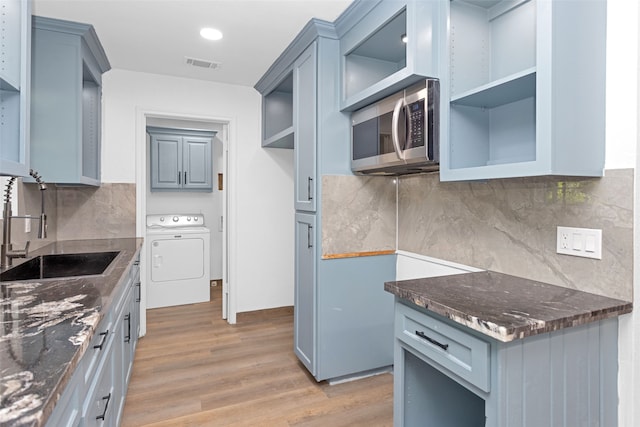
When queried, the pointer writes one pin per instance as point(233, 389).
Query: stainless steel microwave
point(399, 134)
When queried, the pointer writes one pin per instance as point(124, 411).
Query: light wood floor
point(194, 369)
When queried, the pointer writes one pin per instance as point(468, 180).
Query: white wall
point(622, 84)
point(260, 181)
point(623, 21)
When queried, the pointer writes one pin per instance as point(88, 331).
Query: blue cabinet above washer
point(181, 160)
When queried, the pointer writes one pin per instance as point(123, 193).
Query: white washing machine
point(178, 260)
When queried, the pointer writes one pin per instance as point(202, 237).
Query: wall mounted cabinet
point(181, 160)
point(385, 46)
point(15, 72)
point(66, 96)
point(526, 89)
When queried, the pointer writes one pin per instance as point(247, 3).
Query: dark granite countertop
point(47, 326)
point(506, 307)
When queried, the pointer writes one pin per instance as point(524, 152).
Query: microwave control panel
point(416, 116)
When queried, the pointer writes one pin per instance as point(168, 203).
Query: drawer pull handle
point(128, 319)
point(432, 341)
point(106, 405)
point(104, 338)
point(309, 184)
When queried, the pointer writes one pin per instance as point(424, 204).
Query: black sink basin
point(60, 265)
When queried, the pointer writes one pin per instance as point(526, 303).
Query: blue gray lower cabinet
point(96, 392)
point(454, 376)
point(355, 315)
point(343, 318)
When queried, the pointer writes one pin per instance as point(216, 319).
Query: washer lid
point(175, 220)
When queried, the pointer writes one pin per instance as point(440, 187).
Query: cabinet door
point(166, 161)
point(304, 317)
point(197, 163)
point(137, 297)
point(122, 354)
point(67, 412)
point(128, 333)
point(304, 122)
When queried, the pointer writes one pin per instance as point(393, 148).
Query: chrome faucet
point(7, 253)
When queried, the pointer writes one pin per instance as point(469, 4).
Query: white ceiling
point(155, 36)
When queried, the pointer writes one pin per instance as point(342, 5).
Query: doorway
point(215, 205)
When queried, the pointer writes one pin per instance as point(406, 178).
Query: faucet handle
point(19, 253)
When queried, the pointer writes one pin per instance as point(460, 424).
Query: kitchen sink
point(60, 265)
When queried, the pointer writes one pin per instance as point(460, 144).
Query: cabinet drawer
point(449, 347)
point(97, 348)
point(100, 403)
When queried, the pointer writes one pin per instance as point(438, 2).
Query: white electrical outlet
point(27, 224)
point(582, 242)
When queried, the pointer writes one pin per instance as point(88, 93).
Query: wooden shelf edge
point(358, 254)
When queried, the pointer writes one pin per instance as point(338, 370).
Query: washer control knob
point(161, 219)
point(188, 218)
point(175, 219)
point(195, 218)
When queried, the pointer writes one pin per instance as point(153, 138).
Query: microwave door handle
point(394, 129)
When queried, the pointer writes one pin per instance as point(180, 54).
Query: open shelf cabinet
point(526, 89)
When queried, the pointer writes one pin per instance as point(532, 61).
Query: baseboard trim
point(266, 314)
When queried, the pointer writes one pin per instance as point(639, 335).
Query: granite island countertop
point(47, 326)
point(506, 307)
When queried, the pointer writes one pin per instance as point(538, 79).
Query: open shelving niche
point(380, 56)
point(14, 92)
point(278, 115)
point(492, 83)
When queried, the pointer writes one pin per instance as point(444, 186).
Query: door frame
point(229, 231)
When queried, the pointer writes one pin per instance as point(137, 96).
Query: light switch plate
point(582, 242)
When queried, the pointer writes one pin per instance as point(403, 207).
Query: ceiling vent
point(202, 63)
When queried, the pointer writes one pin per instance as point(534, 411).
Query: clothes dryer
point(178, 260)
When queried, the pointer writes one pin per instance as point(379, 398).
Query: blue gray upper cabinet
point(305, 124)
point(181, 160)
point(526, 89)
point(66, 96)
point(15, 59)
point(385, 46)
point(300, 110)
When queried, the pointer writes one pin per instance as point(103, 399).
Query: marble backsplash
point(506, 225)
point(104, 212)
point(358, 214)
point(509, 226)
point(79, 212)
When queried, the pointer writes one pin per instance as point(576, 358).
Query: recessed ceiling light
point(211, 33)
